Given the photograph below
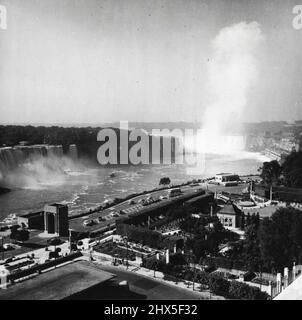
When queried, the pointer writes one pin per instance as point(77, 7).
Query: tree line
point(288, 174)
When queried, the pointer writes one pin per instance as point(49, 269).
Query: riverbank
point(127, 198)
point(134, 195)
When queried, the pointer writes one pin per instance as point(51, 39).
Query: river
point(88, 187)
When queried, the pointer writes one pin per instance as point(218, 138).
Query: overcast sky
point(96, 61)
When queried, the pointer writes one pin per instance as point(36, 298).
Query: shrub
point(202, 277)
point(219, 285)
point(189, 275)
point(257, 294)
point(20, 235)
point(240, 290)
point(177, 259)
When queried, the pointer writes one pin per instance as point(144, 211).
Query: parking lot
point(99, 220)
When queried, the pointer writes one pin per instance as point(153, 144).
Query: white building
point(227, 179)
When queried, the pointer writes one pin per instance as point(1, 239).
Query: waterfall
point(73, 152)
point(54, 151)
point(14, 157)
point(31, 166)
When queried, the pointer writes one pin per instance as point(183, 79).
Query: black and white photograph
point(151, 150)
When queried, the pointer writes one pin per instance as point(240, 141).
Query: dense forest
point(84, 138)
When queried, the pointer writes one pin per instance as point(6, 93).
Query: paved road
point(142, 287)
point(77, 224)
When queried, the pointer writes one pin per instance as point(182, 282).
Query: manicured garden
point(112, 249)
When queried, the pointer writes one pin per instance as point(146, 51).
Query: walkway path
point(185, 286)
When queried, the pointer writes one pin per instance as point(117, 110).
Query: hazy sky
point(96, 61)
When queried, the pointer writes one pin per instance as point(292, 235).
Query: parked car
point(150, 199)
point(88, 223)
point(8, 246)
point(174, 192)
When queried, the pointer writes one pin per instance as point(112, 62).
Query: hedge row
point(215, 282)
point(234, 289)
point(220, 262)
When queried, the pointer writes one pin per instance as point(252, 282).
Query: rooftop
point(226, 174)
point(31, 214)
point(59, 283)
point(203, 196)
point(57, 205)
point(229, 209)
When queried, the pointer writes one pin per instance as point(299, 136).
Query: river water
point(88, 187)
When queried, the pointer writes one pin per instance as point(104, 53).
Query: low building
point(230, 216)
point(32, 220)
point(227, 179)
point(203, 202)
point(160, 209)
point(74, 280)
point(53, 220)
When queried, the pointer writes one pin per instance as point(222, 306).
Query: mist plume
point(232, 70)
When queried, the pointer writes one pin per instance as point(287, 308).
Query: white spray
point(232, 70)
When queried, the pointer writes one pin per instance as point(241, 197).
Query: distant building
point(273, 154)
point(56, 219)
point(23, 143)
point(230, 216)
